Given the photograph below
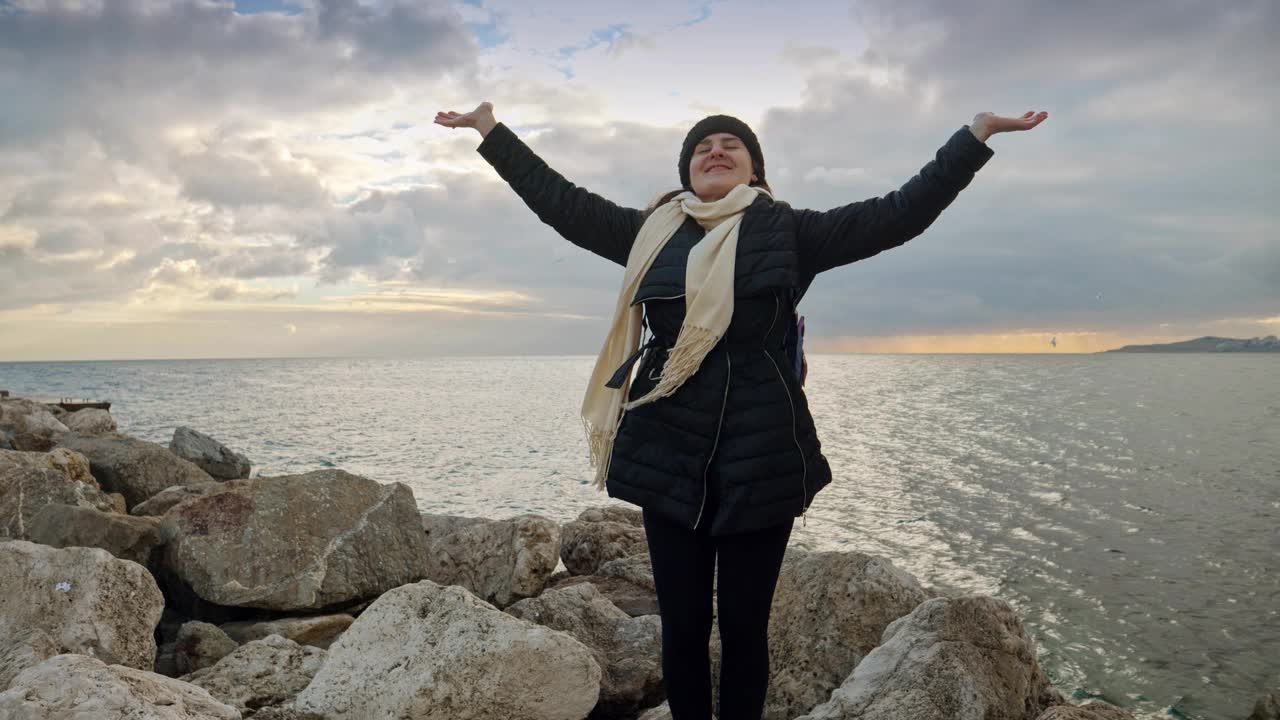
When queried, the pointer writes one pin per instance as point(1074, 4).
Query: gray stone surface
point(132, 467)
point(431, 652)
point(501, 561)
point(74, 600)
point(296, 542)
point(966, 657)
point(77, 687)
point(601, 534)
point(31, 480)
point(90, 421)
point(628, 649)
point(199, 645)
point(126, 537)
point(261, 673)
point(210, 455)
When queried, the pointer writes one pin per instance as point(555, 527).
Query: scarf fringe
point(682, 362)
point(600, 446)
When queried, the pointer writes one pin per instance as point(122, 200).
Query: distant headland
point(1210, 344)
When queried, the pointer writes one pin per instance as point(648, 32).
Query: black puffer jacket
point(739, 429)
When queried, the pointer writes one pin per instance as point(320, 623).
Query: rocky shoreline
point(145, 581)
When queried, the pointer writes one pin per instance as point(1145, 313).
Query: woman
point(713, 438)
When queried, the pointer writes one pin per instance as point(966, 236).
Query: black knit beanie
point(718, 124)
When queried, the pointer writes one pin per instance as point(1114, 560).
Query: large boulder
point(160, 503)
point(628, 649)
point(829, 610)
point(432, 652)
point(210, 455)
point(601, 534)
point(637, 569)
point(262, 673)
point(501, 561)
point(316, 630)
point(77, 686)
point(966, 657)
point(438, 526)
point(134, 468)
point(29, 481)
point(29, 426)
point(126, 537)
point(295, 542)
point(90, 421)
point(77, 600)
point(626, 581)
point(200, 645)
point(632, 599)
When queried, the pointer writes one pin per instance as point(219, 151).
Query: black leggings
point(683, 563)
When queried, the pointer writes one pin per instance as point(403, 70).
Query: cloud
point(283, 169)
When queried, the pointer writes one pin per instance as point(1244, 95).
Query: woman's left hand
point(986, 124)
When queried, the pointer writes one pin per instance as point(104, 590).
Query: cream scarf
point(709, 277)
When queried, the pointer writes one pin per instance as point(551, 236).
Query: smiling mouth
point(717, 167)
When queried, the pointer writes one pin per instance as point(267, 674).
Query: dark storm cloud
point(133, 65)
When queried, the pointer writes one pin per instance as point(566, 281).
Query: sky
point(263, 178)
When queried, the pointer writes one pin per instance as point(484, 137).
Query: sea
point(1127, 505)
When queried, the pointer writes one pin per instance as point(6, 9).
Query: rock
point(501, 561)
point(440, 526)
point(90, 421)
point(1267, 708)
point(432, 652)
point(829, 610)
point(285, 712)
point(78, 600)
point(160, 503)
point(77, 686)
point(119, 505)
point(318, 630)
point(200, 645)
point(629, 597)
point(661, 712)
point(1092, 710)
point(601, 534)
point(296, 542)
point(210, 455)
point(29, 481)
point(637, 569)
point(628, 649)
point(966, 657)
point(128, 538)
point(30, 426)
point(261, 673)
point(132, 467)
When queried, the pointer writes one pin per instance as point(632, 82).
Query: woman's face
point(720, 163)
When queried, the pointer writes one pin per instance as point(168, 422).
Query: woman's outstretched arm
point(859, 230)
point(581, 217)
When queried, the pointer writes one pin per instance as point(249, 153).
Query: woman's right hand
point(481, 119)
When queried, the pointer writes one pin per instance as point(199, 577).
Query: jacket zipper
point(673, 297)
point(716, 442)
point(804, 486)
